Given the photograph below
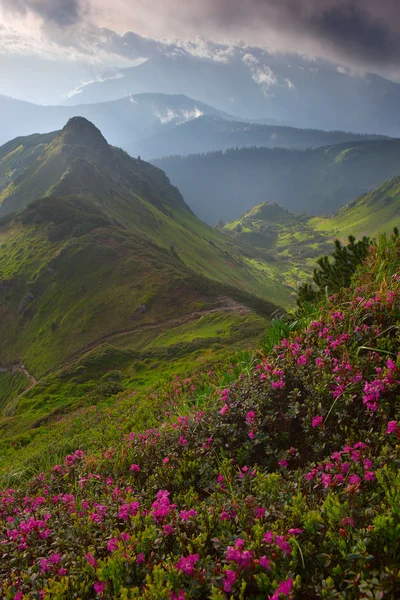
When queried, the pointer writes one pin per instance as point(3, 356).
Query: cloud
point(177, 116)
point(60, 12)
point(357, 34)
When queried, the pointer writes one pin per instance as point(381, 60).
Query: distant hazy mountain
point(122, 121)
point(223, 185)
point(253, 84)
point(208, 133)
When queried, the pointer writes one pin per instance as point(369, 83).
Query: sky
point(358, 35)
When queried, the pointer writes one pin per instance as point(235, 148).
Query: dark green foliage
point(335, 274)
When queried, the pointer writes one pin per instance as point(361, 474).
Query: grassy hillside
point(104, 267)
point(224, 185)
point(276, 477)
point(112, 247)
point(367, 215)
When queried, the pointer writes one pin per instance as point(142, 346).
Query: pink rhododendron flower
point(135, 468)
point(186, 563)
point(283, 463)
point(224, 409)
point(55, 558)
point(250, 417)
point(295, 531)
point(229, 579)
point(354, 479)
point(168, 529)
point(99, 587)
point(91, 560)
point(392, 427)
point(284, 588)
point(140, 558)
point(317, 421)
point(179, 596)
point(112, 545)
point(264, 562)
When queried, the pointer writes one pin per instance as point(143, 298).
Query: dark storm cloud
point(364, 30)
point(61, 12)
point(352, 30)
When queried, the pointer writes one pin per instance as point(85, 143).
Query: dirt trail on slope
point(228, 306)
point(19, 368)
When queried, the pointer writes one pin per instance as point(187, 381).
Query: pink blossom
point(112, 544)
point(317, 421)
point(264, 562)
point(224, 409)
point(99, 587)
point(185, 515)
point(295, 531)
point(179, 596)
point(269, 537)
point(168, 530)
point(127, 510)
point(91, 560)
point(354, 479)
point(140, 558)
point(186, 563)
point(250, 417)
point(55, 558)
point(369, 476)
point(284, 588)
point(135, 468)
point(283, 463)
point(392, 427)
point(229, 580)
point(44, 563)
point(347, 521)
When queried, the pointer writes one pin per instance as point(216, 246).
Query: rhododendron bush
point(286, 485)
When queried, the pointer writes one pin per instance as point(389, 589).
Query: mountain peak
point(80, 132)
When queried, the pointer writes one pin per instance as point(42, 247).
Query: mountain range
point(156, 125)
point(209, 133)
point(224, 185)
point(254, 84)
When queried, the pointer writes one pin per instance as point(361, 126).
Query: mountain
point(223, 185)
point(254, 84)
point(122, 121)
point(208, 133)
point(102, 249)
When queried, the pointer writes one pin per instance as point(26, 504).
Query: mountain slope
point(272, 477)
point(367, 215)
point(271, 235)
point(226, 184)
point(105, 245)
point(207, 134)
